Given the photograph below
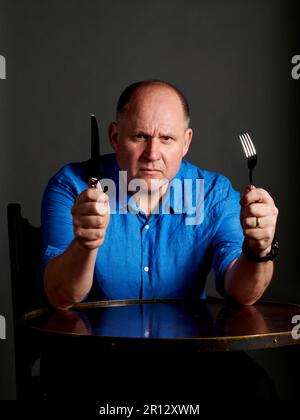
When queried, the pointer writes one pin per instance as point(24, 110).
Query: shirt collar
point(172, 203)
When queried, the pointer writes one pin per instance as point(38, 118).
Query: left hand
point(258, 219)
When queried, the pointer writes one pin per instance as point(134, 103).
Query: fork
point(250, 153)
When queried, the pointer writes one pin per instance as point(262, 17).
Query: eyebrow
point(143, 132)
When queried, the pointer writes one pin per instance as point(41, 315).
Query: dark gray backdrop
point(66, 60)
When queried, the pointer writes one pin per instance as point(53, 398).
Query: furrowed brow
point(171, 135)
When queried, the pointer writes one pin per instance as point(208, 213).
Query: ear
point(187, 141)
point(113, 135)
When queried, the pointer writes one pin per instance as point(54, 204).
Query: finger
point(92, 194)
point(90, 222)
point(90, 209)
point(258, 195)
point(89, 234)
point(257, 222)
point(91, 244)
point(258, 210)
point(266, 234)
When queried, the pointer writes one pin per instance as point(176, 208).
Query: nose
point(152, 150)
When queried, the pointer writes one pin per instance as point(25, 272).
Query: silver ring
point(257, 222)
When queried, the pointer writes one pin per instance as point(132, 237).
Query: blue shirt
point(167, 255)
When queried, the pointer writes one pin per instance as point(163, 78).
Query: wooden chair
point(24, 252)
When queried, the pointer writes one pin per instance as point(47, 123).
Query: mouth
point(150, 171)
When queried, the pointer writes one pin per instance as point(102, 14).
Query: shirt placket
point(145, 256)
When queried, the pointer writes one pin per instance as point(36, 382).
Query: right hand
point(91, 214)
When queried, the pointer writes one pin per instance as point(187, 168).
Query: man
point(143, 253)
point(119, 245)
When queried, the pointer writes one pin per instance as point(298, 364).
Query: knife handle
point(93, 182)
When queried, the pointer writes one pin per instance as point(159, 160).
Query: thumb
point(249, 188)
point(244, 199)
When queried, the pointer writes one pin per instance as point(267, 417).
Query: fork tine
point(249, 148)
point(251, 144)
point(250, 153)
point(245, 145)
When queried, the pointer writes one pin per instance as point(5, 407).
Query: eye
point(140, 136)
point(167, 139)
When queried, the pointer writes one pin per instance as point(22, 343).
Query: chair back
point(24, 252)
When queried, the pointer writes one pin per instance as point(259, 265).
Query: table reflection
point(169, 320)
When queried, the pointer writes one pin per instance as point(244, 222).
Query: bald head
point(135, 93)
point(151, 134)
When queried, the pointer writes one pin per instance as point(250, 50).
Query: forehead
point(154, 107)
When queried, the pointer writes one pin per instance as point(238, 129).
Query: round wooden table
point(209, 325)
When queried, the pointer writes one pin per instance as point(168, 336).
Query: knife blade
point(94, 162)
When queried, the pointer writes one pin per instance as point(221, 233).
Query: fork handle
point(250, 177)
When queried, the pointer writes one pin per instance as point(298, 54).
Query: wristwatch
point(269, 257)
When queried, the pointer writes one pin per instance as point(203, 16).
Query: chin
point(153, 181)
point(155, 184)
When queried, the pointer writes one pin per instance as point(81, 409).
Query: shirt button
point(147, 227)
point(146, 269)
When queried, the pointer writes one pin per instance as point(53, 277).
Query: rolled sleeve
point(56, 222)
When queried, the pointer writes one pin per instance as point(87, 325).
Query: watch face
point(275, 247)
